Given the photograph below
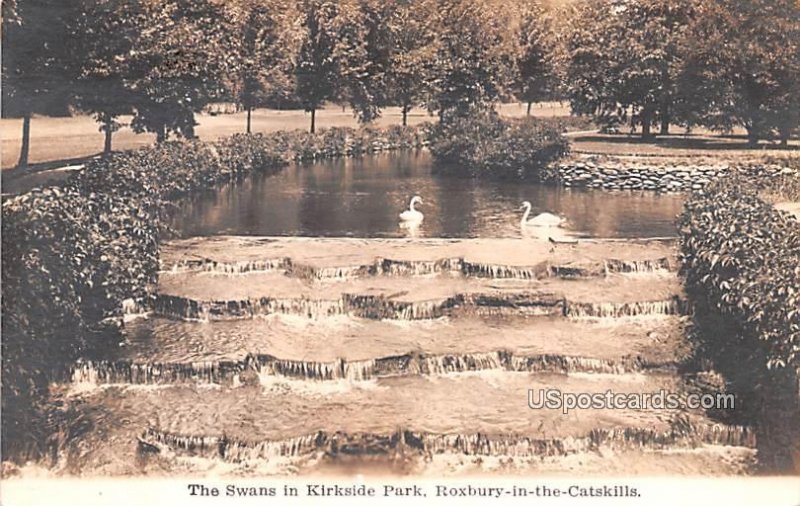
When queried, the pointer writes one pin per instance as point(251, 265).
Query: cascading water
point(395, 267)
point(338, 443)
point(95, 373)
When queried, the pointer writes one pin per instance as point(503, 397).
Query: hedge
point(741, 260)
point(72, 255)
point(486, 146)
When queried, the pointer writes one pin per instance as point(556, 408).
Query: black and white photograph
point(426, 251)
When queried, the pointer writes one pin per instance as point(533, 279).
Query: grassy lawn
point(699, 143)
point(63, 141)
point(58, 139)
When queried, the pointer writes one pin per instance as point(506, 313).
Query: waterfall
point(395, 267)
point(503, 271)
point(87, 372)
point(93, 373)
point(673, 306)
point(359, 370)
point(442, 364)
point(267, 365)
point(564, 364)
point(389, 267)
point(424, 443)
point(240, 267)
point(188, 309)
point(378, 307)
point(638, 266)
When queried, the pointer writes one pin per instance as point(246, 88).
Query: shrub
point(741, 260)
point(485, 146)
point(345, 141)
point(242, 153)
point(72, 255)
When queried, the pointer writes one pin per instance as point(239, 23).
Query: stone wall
point(664, 175)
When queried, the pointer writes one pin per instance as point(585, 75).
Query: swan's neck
point(411, 206)
point(525, 216)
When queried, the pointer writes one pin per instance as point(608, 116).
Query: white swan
point(540, 220)
point(412, 214)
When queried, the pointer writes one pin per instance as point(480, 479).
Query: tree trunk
point(785, 133)
point(529, 109)
point(646, 118)
point(190, 129)
point(161, 134)
point(665, 117)
point(752, 136)
point(26, 140)
point(108, 130)
point(249, 118)
point(313, 120)
point(405, 115)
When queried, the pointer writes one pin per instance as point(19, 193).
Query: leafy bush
point(741, 260)
point(72, 255)
point(242, 153)
point(344, 141)
point(485, 146)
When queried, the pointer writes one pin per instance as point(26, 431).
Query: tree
point(467, 67)
point(589, 70)
point(177, 65)
point(316, 66)
point(535, 73)
point(364, 55)
point(258, 42)
point(654, 55)
point(744, 66)
point(36, 68)
point(625, 57)
point(104, 34)
point(412, 43)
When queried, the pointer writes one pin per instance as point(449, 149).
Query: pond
point(362, 197)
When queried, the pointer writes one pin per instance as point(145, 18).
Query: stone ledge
point(668, 175)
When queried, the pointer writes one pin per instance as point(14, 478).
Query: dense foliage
point(650, 62)
point(73, 255)
point(486, 146)
point(624, 58)
point(70, 257)
point(741, 259)
point(737, 82)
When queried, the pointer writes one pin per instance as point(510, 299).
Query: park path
point(298, 355)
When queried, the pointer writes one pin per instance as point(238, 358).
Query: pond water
point(362, 197)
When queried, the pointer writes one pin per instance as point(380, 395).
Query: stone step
point(334, 258)
point(489, 402)
point(407, 442)
point(204, 296)
point(651, 340)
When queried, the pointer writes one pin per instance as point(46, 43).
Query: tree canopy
point(721, 64)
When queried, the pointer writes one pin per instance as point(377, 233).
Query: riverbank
point(663, 174)
point(77, 137)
